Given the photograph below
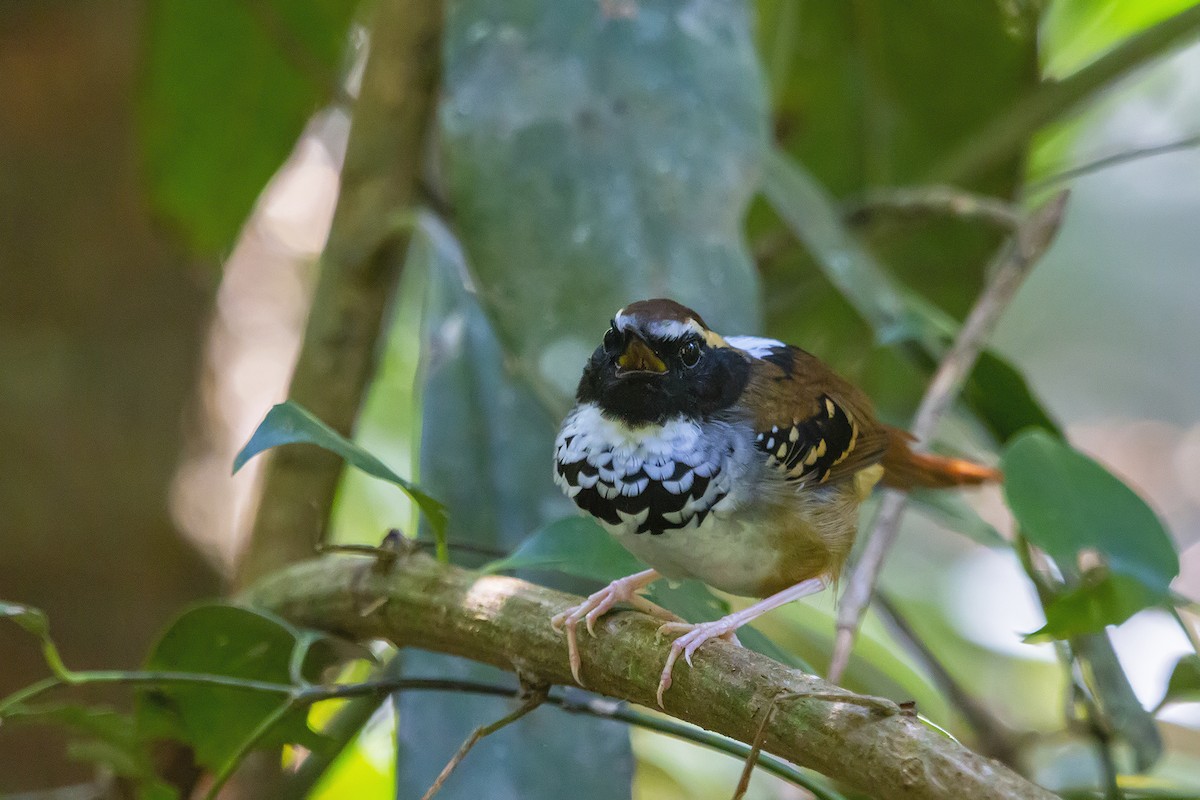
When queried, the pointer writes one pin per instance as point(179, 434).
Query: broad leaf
point(1002, 399)
point(633, 142)
point(811, 214)
point(238, 643)
point(1184, 685)
point(1091, 607)
point(1067, 504)
point(870, 95)
point(229, 86)
point(1075, 32)
point(289, 423)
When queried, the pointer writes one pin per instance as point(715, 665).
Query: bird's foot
point(619, 591)
point(694, 635)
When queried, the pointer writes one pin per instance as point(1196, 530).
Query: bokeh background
point(160, 235)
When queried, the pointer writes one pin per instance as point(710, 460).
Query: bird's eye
point(689, 353)
point(612, 339)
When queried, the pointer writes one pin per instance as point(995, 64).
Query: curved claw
point(664, 680)
point(573, 652)
point(693, 637)
point(591, 609)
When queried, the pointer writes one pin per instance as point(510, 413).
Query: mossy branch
point(504, 621)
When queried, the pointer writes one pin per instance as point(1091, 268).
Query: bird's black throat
point(648, 398)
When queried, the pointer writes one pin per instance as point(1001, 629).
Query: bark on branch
point(504, 621)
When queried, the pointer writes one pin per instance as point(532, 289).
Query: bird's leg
point(695, 635)
point(621, 590)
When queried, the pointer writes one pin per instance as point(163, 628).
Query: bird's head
point(658, 361)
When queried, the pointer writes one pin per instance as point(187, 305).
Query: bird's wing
point(809, 423)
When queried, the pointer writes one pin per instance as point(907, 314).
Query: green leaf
point(1184, 685)
point(1001, 397)
point(574, 545)
point(289, 423)
point(32, 619)
point(35, 621)
point(634, 143)
point(228, 88)
point(238, 643)
point(1067, 504)
point(873, 94)
point(1098, 603)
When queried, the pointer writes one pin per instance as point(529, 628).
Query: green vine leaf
point(238, 643)
point(32, 619)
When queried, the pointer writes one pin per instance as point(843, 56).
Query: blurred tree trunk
point(101, 322)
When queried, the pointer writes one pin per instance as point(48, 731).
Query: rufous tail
point(905, 469)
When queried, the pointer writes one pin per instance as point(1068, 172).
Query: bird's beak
point(638, 357)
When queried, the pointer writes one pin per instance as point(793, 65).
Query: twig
point(743, 784)
point(366, 695)
point(931, 200)
point(532, 700)
point(1111, 161)
point(991, 734)
point(504, 621)
point(1029, 242)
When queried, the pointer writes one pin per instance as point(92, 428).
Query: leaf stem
point(1111, 161)
point(932, 200)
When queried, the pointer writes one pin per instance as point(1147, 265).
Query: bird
point(739, 461)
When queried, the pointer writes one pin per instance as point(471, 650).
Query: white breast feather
point(626, 459)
